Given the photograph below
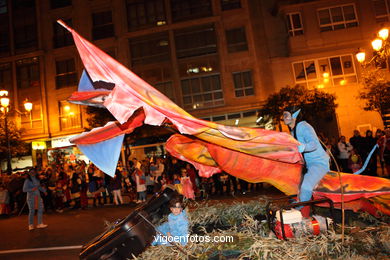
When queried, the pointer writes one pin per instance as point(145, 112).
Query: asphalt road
point(67, 231)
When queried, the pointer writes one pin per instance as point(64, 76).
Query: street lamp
point(380, 46)
point(5, 109)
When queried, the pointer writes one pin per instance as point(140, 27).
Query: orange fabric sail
point(252, 154)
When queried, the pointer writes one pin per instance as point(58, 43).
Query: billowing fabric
point(252, 154)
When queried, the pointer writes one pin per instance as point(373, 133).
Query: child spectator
point(59, 197)
point(354, 161)
point(176, 227)
point(139, 178)
point(177, 183)
point(185, 181)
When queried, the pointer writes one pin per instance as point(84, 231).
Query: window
point(32, 120)
point(320, 73)
point(167, 89)
point(338, 17)
point(230, 4)
point(3, 7)
point(190, 9)
point(4, 33)
point(27, 73)
point(243, 84)
point(24, 24)
point(102, 25)
point(59, 3)
point(61, 36)
point(144, 14)
point(202, 92)
point(6, 77)
point(151, 49)
point(294, 24)
point(381, 10)
point(70, 116)
point(236, 40)
point(66, 75)
point(195, 41)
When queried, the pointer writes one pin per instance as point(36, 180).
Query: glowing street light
point(5, 108)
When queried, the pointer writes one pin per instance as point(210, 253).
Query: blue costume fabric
point(317, 160)
point(177, 226)
point(33, 195)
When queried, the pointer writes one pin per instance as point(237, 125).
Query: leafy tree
point(98, 116)
point(17, 146)
point(315, 103)
point(376, 91)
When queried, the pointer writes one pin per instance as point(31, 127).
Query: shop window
point(144, 14)
point(66, 75)
point(243, 84)
point(294, 24)
point(61, 36)
point(236, 40)
point(102, 25)
point(70, 116)
point(27, 73)
point(195, 41)
point(337, 17)
point(230, 4)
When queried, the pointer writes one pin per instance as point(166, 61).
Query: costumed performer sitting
point(316, 158)
point(176, 229)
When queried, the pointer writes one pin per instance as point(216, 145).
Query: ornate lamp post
point(376, 80)
point(5, 109)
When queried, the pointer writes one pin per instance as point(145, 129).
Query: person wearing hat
point(33, 187)
point(316, 158)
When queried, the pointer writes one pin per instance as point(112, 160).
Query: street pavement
point(69, 230)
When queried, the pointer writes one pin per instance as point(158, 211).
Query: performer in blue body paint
point(316, 158)
point(176, 229)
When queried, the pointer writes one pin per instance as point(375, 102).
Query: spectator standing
point(369, 142)
point(357, 142)
point(344, 153)
point(33, 188)
point(116, 185)
point(384, 147)
point(139, 178)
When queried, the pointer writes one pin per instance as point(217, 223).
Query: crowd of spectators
point(77, 185)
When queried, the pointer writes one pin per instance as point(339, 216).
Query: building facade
point(218, 59)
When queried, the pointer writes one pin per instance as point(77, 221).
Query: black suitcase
point(131, 235)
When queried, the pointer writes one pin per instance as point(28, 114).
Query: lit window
point(70, 116)
point(325, 72)
point(337, 17)
point(294, 24)
point(243, 84)
point(202, 92)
